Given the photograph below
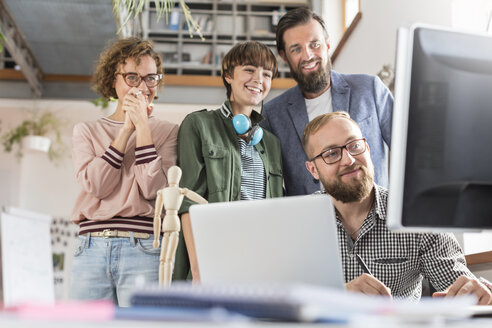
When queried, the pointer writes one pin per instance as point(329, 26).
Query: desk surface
point(13, 322)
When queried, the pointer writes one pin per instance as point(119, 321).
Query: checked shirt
point(400, 260)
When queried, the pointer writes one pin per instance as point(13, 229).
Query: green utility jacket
point(208, 154)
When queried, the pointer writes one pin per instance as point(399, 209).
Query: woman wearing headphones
point(224, 154)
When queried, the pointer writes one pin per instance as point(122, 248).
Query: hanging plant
point(130, 9)
point(102, 102)
point(2, 40)
point(34, 132)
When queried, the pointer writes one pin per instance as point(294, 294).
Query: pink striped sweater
point(116, 185)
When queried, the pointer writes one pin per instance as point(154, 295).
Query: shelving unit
point(6, 60)
point(223, 24)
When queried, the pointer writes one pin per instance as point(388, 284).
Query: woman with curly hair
point(120, 162)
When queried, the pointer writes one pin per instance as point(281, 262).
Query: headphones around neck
point(242, 124)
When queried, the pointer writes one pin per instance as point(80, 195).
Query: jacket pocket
point(216, 167)
point(275, 181)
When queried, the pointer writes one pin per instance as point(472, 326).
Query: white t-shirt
point(319, 105)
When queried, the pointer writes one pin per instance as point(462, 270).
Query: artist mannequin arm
point(193, 196)
point(467, 286)
point(367, 284)
point(190, 245)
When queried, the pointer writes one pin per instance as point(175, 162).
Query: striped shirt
point(252, 172)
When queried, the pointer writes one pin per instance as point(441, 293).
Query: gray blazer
point(368, 102)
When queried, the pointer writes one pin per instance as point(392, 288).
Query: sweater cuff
point(145, 154)
point(113, 157)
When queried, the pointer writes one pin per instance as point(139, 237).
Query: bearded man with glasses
point(395, 263)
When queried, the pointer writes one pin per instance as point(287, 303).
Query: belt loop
point(132, 239)
point(87, 240)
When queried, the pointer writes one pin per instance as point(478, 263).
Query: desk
point(16, 323)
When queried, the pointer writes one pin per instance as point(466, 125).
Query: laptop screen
point(281, 240)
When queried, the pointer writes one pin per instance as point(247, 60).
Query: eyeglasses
point(334, 154)
point(134, 80)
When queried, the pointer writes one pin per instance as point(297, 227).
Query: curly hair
point(247, 53)
point(117, 53)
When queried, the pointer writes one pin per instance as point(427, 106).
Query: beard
point(355, 191)
point(313, 82)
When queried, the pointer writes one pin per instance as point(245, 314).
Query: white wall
point(332, 13)
point(372, 44)
point(35, 183)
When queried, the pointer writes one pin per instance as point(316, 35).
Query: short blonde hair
point(318, 122)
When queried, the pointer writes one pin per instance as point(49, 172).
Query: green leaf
point(2, 40)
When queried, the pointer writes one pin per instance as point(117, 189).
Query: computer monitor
point(441, 149)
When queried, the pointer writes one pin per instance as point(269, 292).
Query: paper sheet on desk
point(296, 302)
point(27, 264)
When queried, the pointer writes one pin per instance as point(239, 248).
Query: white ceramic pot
point(38, 143)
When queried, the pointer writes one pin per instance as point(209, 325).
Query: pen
point(362, 264)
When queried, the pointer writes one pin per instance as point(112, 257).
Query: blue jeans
point(110, 268)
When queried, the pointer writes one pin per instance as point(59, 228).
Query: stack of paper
point(27, 264)
point(295, 302)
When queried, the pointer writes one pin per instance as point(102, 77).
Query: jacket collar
point(226, 111)
point(296, 108)
point(340, 92)
point(296, 104)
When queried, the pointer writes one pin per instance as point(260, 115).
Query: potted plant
point(107, 106)
point(34, 134)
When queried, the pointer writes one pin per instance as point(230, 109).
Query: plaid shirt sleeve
point(442, 260)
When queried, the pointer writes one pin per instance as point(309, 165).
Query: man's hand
point(369, 285)
point(464, 286)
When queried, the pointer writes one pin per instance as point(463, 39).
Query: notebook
point(281, 240)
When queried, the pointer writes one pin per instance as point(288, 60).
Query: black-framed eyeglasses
point(134, 80)
point(334, 154)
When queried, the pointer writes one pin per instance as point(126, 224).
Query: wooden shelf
point(479, 258)
point(169, 79)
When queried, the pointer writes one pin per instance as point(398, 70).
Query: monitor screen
point(441, 150)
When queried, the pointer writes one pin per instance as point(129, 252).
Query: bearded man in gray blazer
point(302, 42)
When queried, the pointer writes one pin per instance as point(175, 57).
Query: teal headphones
point(242, 124)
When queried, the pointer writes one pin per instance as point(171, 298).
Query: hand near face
point(464, 286)
point(136, 107)
point(369, 285)
point(128, 124)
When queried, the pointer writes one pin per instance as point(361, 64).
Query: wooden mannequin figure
point(171, 197)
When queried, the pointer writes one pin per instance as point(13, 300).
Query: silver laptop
point(280, 240)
